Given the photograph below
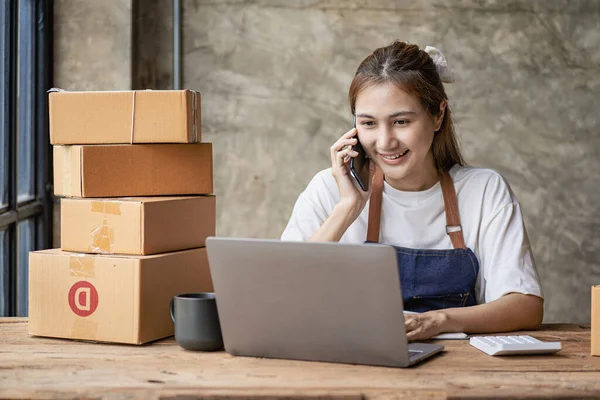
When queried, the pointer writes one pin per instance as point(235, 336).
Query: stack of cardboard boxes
point(124, 255)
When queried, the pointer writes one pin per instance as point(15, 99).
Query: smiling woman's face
point(397, 133)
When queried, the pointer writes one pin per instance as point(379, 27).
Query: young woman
point(464, 257)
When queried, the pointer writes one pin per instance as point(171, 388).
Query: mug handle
point(171, 309)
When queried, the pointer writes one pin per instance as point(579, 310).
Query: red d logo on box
point(83, 298)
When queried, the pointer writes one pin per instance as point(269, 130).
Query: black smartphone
point(359, 165)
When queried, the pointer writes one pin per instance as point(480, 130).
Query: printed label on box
point(83, 298)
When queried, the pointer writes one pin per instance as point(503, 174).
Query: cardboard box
point(138, 225)
point(133, 170)
point(123, 299)
point(596, 320)
point(141, 116)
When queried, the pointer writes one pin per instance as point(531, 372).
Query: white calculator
point(513, 345)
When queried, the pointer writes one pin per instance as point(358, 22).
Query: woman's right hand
point(352, 197)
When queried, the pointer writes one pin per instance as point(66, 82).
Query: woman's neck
point(415, 181)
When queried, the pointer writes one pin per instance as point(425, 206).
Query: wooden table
point(32, 367)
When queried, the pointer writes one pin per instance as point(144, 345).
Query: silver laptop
point(312, 301)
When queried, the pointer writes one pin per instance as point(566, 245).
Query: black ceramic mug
point(196, 321)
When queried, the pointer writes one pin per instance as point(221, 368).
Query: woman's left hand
point(424, 326)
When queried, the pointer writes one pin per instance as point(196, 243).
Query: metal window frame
point(177, 44)
point(41, 207)
point(8, 88)
point(43, 156)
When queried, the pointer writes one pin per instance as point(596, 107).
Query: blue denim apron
point(431, 279)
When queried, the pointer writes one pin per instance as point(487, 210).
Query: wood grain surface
point(44, 368)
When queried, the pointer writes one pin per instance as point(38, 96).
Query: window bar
point(43, 159)
point(5, 169)
point(12, 156)
point(177, 45)
point(5, 26)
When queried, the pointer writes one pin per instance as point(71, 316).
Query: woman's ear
point(440, 117)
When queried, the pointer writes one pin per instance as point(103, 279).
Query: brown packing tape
point(82, 266)
point(84, 329)
point(106, 207)
point(102, 238)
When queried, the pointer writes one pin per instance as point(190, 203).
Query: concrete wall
point(274, 77)
point(92, 44)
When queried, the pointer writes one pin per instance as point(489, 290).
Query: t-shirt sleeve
point(506, 257)
point(311, 209)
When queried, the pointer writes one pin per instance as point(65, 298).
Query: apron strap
point(453, 226)
point(375, 207)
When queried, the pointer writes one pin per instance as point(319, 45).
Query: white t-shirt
point(490, 216)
